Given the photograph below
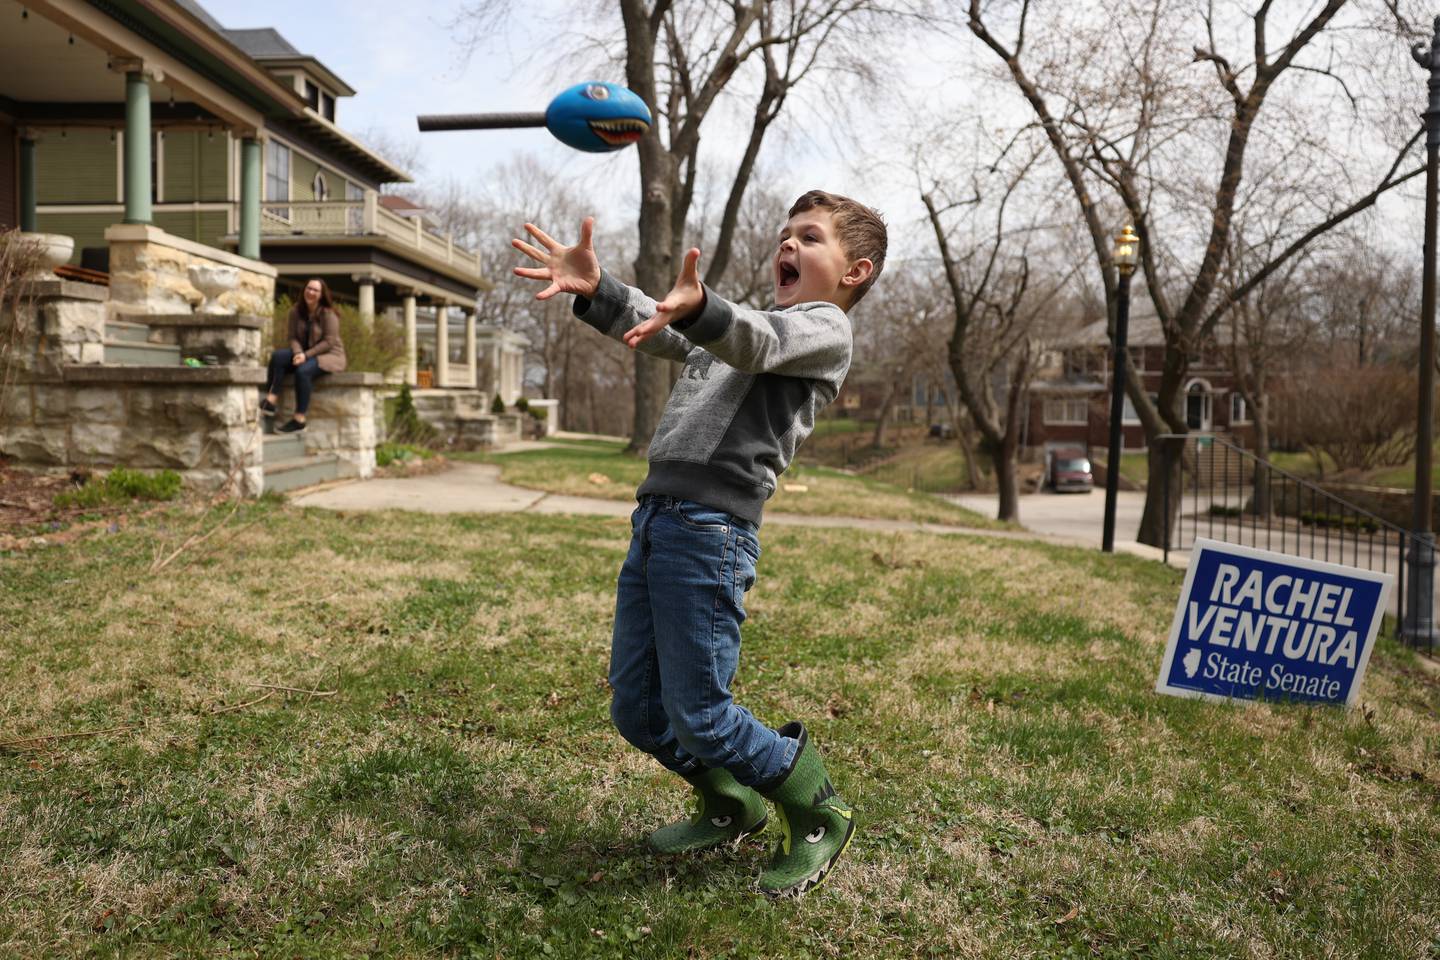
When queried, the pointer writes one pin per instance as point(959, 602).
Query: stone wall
point(344, 419)
point(229, 339)
point(1388, 503)
point(67, 409)
point(463, 418)
point(150, 274)
point(63, 324)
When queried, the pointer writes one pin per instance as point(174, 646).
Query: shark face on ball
point(597, 117)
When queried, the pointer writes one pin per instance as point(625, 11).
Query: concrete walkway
point(477, 488)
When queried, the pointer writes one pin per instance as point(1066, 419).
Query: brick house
point(1070, 399)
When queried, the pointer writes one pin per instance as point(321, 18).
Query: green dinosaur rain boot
point(727, 812)
point(818, 825)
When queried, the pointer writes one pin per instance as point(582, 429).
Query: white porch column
point(411, 376)
point(442, 343)
point(470, 357)
point(367, 296)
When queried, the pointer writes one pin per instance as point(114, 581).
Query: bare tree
point(896, 339)
point(1132, 119)
point(1268, 329)
point(1360, 417)
point(680, 59)
point(1367, 302)
point(997, 305)
point(572, 364)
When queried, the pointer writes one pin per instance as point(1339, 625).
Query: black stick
point(479, 121)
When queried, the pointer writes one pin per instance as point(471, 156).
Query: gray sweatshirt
point(752, 384)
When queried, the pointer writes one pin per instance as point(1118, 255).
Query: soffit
point(42, 66)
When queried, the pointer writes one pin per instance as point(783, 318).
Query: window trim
point(1065, 419)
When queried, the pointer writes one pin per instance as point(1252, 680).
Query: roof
point(1144, 330)
point(201, 14)
point(267, 48)
point(266, 45)
point(260, 42)
point(400, 204)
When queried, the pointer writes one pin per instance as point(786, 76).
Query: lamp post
point(1419, 616)
point(1127, 253)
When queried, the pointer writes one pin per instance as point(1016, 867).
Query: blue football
point(597, 117)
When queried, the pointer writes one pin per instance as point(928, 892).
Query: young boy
point(752, 384)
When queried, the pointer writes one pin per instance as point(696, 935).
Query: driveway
point(1077, 517)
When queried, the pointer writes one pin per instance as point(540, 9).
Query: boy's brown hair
point(861, 231)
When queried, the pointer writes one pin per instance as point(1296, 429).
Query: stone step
point(280, 447)
point(300, 472)
point(127, 331)
point(127, 353)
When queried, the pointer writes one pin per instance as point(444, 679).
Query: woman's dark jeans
point(283, 362)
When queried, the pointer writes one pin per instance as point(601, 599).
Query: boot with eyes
point(817, 824)
point(726, 812)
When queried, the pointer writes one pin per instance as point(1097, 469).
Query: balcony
point(365, 222)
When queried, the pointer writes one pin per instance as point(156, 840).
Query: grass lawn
point(567, 468)
point(986, 705)
point(933, 466)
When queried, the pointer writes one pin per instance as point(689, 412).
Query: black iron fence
point(1227, 493)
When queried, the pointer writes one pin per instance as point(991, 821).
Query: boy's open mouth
point(788, 275)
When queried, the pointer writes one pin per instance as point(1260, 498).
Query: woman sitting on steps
point(315, 350)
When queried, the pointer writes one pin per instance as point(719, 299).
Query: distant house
point(1070, 401)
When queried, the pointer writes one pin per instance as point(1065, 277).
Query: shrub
point(497, 405)
point(1338, 521)
point(539, 413)
point(121, 486)
point(406, 427)
point(523, 405)
point(20, 260)
point(388, 453)
point(1361, 418)
point(375, 347)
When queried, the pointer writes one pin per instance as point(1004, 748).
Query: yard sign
point(1257, 625)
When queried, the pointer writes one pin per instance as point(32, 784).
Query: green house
point(151, 112)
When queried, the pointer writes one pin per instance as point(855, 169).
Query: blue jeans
point(676, 643)
point(282, 362)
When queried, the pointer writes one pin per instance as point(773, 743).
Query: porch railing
point(359, 218)
point(1227, 493)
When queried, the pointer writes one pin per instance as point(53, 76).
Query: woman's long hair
point(325, 302)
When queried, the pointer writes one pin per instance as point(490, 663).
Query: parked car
point(942, 431)
point(1070, 471)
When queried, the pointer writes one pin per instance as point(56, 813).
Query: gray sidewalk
point(477, 488)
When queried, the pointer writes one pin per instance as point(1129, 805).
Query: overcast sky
point(404, 59)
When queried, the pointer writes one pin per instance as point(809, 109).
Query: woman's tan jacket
point(325, 345)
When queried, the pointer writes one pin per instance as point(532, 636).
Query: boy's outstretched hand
point(569, 269)
point(682, 302)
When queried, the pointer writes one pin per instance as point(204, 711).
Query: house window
point(277, 173)
point(1067, 411)
point(312, 95)
point(1239, 413)
point(327, 107)
point(1128, 415)
point(320, 188)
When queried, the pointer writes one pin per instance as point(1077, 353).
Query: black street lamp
point(1127, 253)
point(1419, 616)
